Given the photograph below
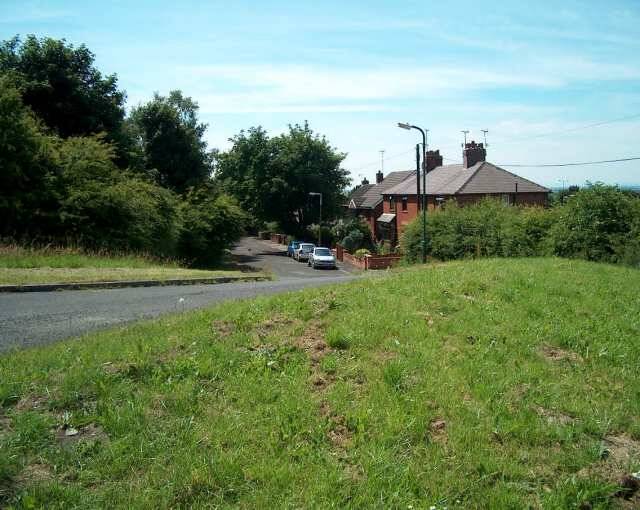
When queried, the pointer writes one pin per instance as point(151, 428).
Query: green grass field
point(23, 266)
point(479, 384)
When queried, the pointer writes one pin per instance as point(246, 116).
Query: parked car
point(322, 257)
point(293, 246)
point(303, 251)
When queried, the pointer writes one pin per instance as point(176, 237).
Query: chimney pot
point(365, 181)
point(432, 160)
point(379, 177)
point(473, 153)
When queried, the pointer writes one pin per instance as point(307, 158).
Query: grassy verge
point(23, 266)
point(484, 384)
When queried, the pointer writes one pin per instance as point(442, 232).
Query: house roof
point(358, 195)
point(386, 218)
point(483, 177)
point(368, 196)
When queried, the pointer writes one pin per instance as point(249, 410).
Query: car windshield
point(324, 252)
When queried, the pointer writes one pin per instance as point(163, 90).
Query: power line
point(570, 130)
point(571, 164)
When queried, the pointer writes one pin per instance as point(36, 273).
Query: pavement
point(29, 319)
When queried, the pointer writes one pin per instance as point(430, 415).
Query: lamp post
point(422, 198)
point(314, 194)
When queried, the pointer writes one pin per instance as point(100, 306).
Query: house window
point(439, 202)
point(404, 204)
point(506, 199)
point(392, 204)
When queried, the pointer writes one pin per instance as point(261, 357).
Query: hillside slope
point(479, 384)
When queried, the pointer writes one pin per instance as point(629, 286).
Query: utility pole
point(382, 161)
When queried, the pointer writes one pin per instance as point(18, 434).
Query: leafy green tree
point(171, 140)
point(103, 208)
point(61, 85)
point(272, 177)
point(595, 224)
point(210, 223)
point(28, 202)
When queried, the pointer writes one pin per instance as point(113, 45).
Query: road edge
point(121, 284)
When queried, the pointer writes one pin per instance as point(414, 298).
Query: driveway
point(35, 318)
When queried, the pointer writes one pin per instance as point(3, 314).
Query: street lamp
point(314, 194)
point(422, 198)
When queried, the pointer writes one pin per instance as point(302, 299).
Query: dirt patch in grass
point(33, 474)
point(268, 326)
point(619, 454)
point(313, 343)
point(32, 403)
point(438, 430)
point(339, 434)
point(554, 417)
point(556, 354)
point(384, 356)
point(92, 432)
point(223, 327)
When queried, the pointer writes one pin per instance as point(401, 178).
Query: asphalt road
point(35, 318)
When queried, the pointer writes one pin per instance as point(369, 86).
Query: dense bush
point(210, 223)
point(353, 234)
point(597, 223)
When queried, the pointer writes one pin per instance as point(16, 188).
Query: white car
point(303, 251)
point(322, 257)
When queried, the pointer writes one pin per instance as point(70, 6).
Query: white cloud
point(299, 88)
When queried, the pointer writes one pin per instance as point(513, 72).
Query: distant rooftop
point(368, 196)
point(481, 178)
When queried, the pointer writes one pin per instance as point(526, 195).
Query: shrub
point(101, 208)
point(353, 241)
point(353, 234)
point(597, 223)
point(361, 253)
point(210, 223)
point(489, 228)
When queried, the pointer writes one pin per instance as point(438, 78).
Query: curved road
point(34, 318)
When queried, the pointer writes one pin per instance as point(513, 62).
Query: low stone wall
point(279, 238)
point(381, 261)
point(368, 261)
point(354, 261)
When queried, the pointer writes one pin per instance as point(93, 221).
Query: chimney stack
point(473, 153)
point(379, 177)
point(365, 181)
point(433, 159)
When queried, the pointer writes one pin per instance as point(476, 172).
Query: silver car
point(303, 251)
point(322, 257)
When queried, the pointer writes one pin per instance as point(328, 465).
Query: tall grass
point(13, 256)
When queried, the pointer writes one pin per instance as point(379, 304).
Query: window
point(392, 204)
point(404, 204)
point(506, 199)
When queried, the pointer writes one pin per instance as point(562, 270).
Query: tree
point(171, 140)
point(63, 88)
point(27, 169)
point(211, 221)
point(272, 177)
point(102, 207)
point(596, 224)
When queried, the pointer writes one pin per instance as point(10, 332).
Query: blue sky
point(354, 69)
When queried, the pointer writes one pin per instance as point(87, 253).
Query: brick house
point(465, 183)
point(365, 201)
